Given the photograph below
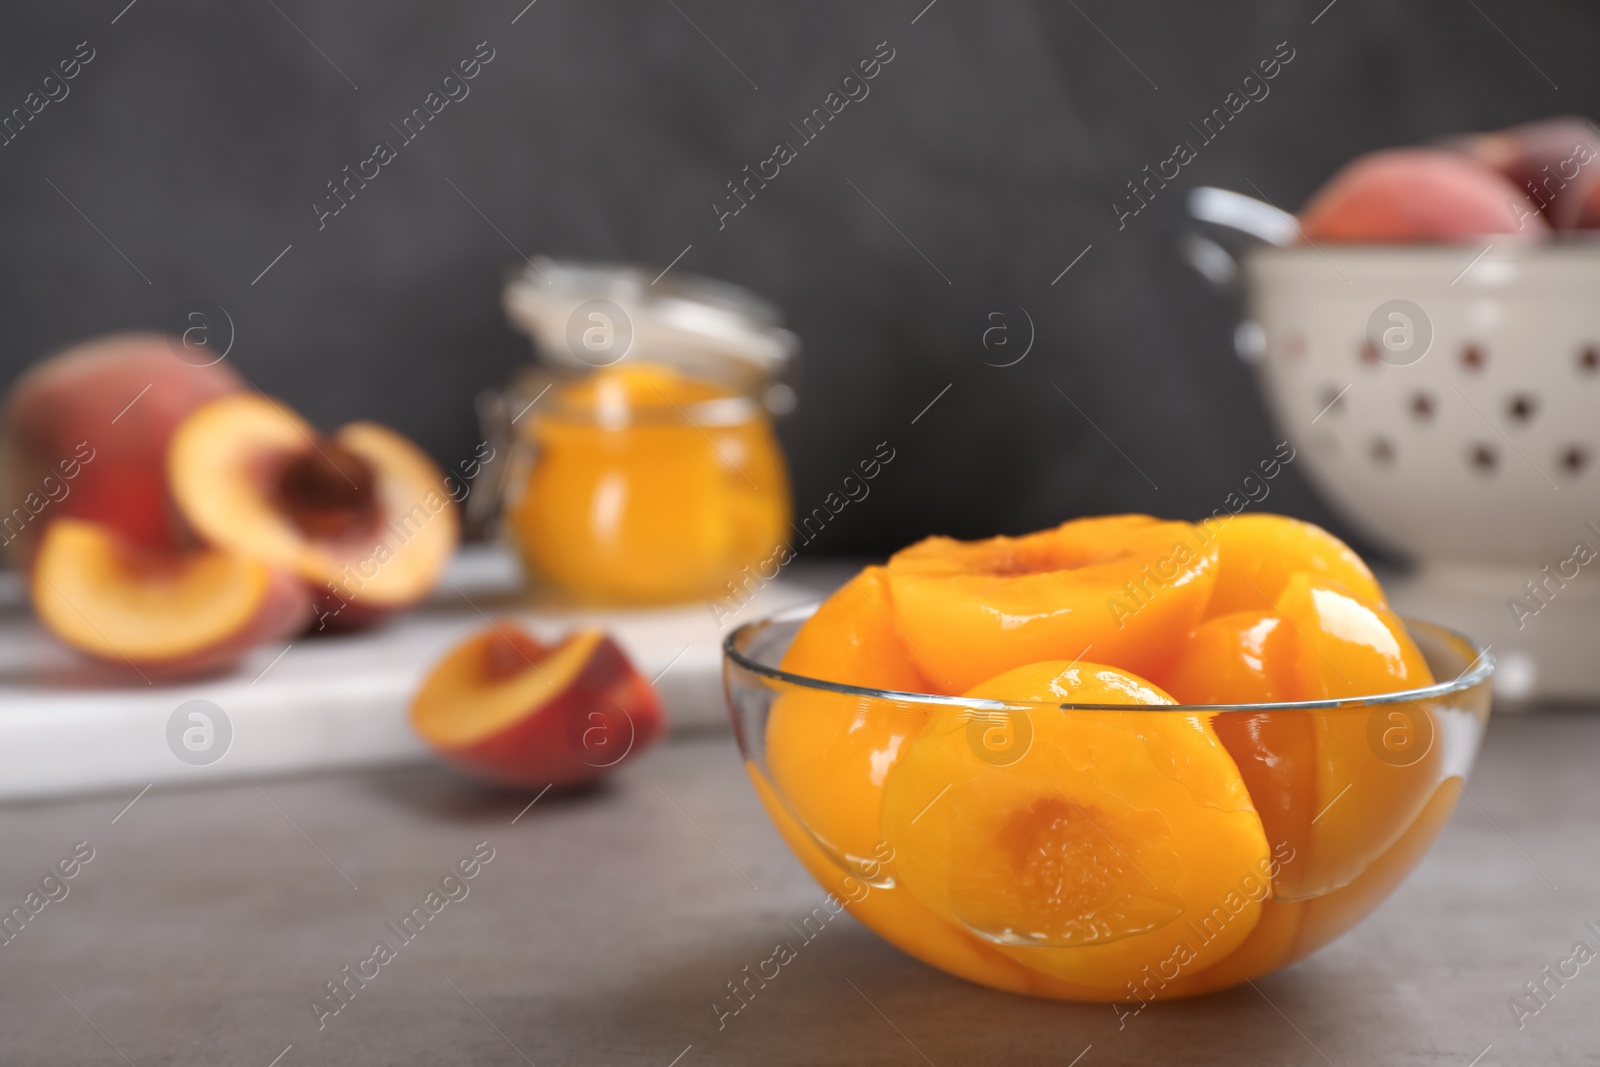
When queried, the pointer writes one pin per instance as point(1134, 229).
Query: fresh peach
point(1418, 194)
point(362, 515)
point(512, 709)
point(86, 434)
point(158, 611)
point(1553, 161)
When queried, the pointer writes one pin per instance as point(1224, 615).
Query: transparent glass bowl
point(1104, 852)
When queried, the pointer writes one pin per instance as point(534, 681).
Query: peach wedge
point(507, 707)
point(160, 612)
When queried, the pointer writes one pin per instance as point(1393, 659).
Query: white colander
point(1446, 400)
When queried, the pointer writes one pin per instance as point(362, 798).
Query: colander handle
point(1238, 215)
point(1245, 214)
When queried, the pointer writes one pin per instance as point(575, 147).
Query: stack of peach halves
point(1081, 852)
point(172, 518)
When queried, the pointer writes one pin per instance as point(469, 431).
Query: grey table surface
point(607, 923)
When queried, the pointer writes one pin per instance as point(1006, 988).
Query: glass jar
point(643, 465)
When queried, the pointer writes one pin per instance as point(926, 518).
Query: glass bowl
point(1104, 852)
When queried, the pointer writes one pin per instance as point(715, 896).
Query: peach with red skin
point(96, 419)
point(1554, 160)
point(504, 706)
point(1417, 195)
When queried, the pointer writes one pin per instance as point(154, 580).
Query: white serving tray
point(69, 726)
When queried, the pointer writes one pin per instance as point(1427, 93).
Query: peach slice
point(1249, 657)
point(1109, 843)
point(509, 708)
point(852, 638)
point(1291, 930)
point(1375, 768)
point(1242, 658)
point(1256, 554)
point(1331, 786)
point(86, 434)
point(1326, 917)
point(828, 753)
point(901, 919)
point(1352, 647)
point(362, 516)
point(1119, 590)
point(159, 611)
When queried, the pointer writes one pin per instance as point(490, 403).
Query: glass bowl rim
point(1479, 670)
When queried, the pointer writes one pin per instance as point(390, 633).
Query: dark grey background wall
point(201, 134)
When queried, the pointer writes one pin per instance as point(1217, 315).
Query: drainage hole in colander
point(1589, 360)
point(1522, 408)
point(1473, 357)
point(1422, 407)
point(1485, 457)
point(1574, 458)
point(1382, 450)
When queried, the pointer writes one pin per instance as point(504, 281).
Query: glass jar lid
point(589, 315)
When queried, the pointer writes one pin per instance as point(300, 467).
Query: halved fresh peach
point(161, 612)
point(1256, 554)
point(1104, 843)
point(1119, 590)
point(361, 515)
point(1375, 767)
point(828, 753)
point(512, 709)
